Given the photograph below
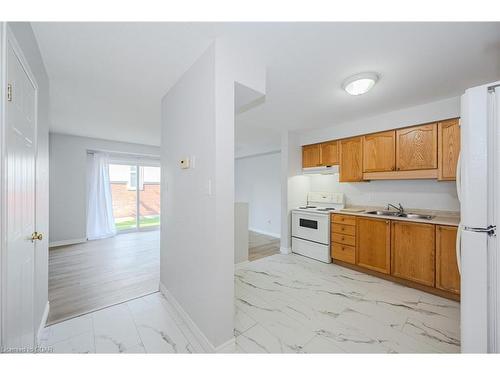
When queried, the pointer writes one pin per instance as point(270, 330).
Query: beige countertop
point(439, 217)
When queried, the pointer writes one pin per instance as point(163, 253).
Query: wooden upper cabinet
point(448, 148)
point(447, 275)
point(329, 153)
point(413, 252)
point(311, 156)
point(351, 159)
point(373, 249)
point(416, 148)
point(379, 152)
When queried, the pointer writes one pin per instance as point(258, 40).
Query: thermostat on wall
point(185, 163)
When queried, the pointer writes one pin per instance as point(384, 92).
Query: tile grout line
point(135, 325)
point(93, 332)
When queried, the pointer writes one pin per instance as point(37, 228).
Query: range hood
point(331, 169)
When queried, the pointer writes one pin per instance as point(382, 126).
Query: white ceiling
point(107, 79)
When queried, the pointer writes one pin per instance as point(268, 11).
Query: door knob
point(36, 236)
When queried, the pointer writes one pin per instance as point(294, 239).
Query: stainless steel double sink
point(400, 214)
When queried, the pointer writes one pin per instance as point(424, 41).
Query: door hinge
point(9, 92)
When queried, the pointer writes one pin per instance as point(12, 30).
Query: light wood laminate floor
point(95, 274)
point(261, 245)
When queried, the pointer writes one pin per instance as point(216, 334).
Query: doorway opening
point(120, 260)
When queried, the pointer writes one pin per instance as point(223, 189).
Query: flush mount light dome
point(360, 83)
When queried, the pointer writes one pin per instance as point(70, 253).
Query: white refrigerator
point(478, 190)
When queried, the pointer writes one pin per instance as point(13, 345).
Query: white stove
point(311, 225)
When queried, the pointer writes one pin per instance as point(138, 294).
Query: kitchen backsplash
point(424, 194)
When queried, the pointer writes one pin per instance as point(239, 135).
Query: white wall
point(27, 42)
point(424, 194)
point(240, 232)
point(68, 181)
point(428, 194)
point(439, 110)
point(294, 185)
point(197, 243)
point(258, 182)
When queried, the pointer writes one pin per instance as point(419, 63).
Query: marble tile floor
point(147, 324)
point(283, 304)
point(289, 303)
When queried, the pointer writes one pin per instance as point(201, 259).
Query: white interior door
point(20, 152)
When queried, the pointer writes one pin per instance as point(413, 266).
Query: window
point(134, 208)
point(132, 180)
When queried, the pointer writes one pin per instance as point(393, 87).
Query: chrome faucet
point(400, 208)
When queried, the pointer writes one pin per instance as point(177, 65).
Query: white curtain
point(100, 220)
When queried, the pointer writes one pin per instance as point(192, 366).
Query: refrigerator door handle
point(458, 249)
point(490, 230)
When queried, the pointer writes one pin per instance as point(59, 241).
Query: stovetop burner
point(327, 209)
point(304, 207)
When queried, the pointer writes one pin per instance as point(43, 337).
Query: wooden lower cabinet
point(413, 252)
point(373, 239)
point(343, 238)
point(447, 275)
point(418, 255)
point(345, 253)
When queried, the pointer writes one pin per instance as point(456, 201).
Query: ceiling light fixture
point(361, 83)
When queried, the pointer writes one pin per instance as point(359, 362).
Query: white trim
point(259, 154)
point(195, 330)
point(275, 235)
point(8, 37)
point(241, 264)
point(228, 347)
point(43, 322)
point(286, 251)
point(193, 327)
point(3, 215)
point(67, 242)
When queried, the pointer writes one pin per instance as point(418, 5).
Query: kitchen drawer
point(344, 253)
point(344, 219)
point(350, 230)
point(344, 239)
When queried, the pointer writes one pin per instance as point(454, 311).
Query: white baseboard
point(241, 264)
point(275, 235)
point(43, 322)
point(227, 347)
point(67, 242)
point(193, 327)
point(284, 250)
